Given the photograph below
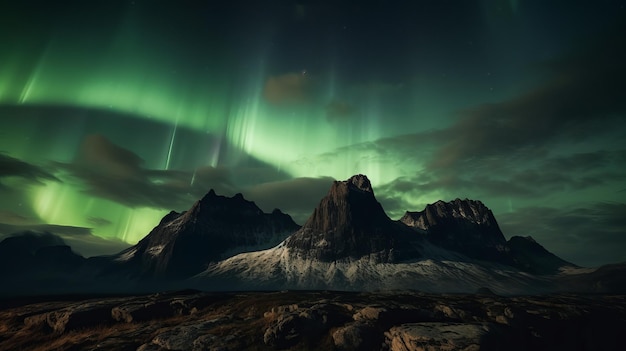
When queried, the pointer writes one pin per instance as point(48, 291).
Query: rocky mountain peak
point(360, 182)
point(348, 222)
point(467, 211)
point(466, 226)
point(348, 203)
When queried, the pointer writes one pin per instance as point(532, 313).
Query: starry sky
point(113, 113)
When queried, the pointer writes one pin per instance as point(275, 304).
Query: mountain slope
point(529, 255)
point(215, 228)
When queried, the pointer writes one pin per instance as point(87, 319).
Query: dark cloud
point(62, 230)
point(101, 155)
point(13, 218)
point(92, 245)
point(99, 221)
point(216, 178)
point(80, 239)
point(339, 110)
point(297, 197)
point(111, 172)
point(530, 181)
point(114, 173)
point(287, 89)
point(583, 98)
point(13, 167)
point(564, 135)
point(249, 175)
point(588, 236)
point(394, 206)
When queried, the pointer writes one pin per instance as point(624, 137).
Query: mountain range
point(348, 243)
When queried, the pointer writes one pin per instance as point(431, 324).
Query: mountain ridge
point(183, 243)
point(348, 243)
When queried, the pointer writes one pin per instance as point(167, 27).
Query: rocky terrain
point(322, 320)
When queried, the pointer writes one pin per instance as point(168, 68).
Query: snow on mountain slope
point(442, 271)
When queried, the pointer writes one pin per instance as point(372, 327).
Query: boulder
point(293, 325)
point(354, 336)
point(436, 336)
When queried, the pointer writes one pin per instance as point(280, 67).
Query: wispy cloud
point(589, 236)
point(288, 88)
point(13, 167)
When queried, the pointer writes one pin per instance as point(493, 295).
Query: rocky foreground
point(298, 320)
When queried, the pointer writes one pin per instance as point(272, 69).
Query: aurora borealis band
point(113, 113)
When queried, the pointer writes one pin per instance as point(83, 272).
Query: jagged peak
point(361, 182)
point(213, 196)
point(212, 202)
point(442, 206)
point(208, 196)
point(458, 201)
point(347, 200)
point(467, 210)
point(355, 184)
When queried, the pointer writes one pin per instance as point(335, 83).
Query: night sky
point(113, 113)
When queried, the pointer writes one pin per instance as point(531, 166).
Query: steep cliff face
point(350, 223)
point(214, 228)
point(464, 226)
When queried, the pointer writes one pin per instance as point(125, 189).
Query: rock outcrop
point(436, 336)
